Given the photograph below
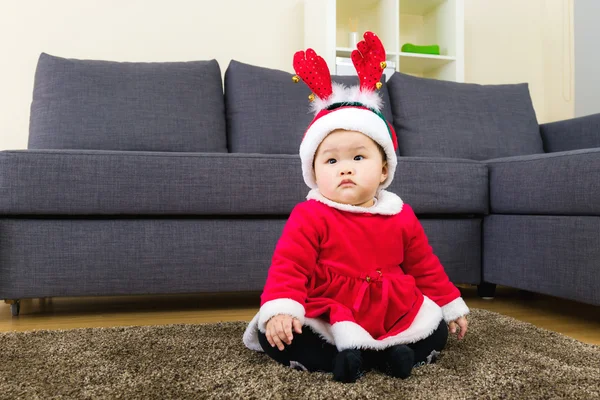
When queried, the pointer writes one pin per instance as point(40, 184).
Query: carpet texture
point(500, 358)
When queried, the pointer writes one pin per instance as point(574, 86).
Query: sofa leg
point(486, 290)
point(15, 306)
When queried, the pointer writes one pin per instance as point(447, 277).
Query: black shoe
point(398, 361)
point(347, 366)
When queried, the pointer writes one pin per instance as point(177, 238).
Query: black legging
point(310, 351)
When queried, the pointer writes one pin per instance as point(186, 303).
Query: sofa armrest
point(571, 134)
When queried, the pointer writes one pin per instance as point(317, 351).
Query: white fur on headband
point(343, 94)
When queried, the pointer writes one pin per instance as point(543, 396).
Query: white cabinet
point(328, 24)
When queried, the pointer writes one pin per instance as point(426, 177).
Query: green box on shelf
point(412, 48)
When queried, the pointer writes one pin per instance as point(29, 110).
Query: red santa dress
point(359, 277)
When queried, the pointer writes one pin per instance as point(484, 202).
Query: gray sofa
point(160, 178)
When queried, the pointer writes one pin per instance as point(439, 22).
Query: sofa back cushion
point(435, 118)
point(105, 105)
point(267, 113)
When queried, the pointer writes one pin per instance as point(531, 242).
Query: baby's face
point(349, 168)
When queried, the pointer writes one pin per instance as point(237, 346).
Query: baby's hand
point(279, 330)
point(462, 324)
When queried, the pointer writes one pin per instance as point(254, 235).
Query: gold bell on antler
point(311, 97)
point(383, 65)
point(295, 78)
point(378, 85)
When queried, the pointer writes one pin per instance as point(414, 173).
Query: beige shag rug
point(501, 358)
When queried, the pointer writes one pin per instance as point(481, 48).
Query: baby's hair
point(382, 151)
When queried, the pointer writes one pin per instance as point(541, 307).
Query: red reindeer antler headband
point(369, 61)
point(313, 70)
point(337, 107)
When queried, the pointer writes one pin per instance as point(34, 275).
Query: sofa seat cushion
point(145, 106)
point(86, 182)
point(79, 182)
point(442, 185)
point(562, 183)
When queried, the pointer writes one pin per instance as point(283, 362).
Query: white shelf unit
point(327, 25)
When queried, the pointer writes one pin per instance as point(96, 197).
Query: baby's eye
point(331, 161)
point(358, 158)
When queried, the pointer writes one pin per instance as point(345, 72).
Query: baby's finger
point(277, 341)
point(452, 327)
point(463, 331)
point(287, 329)
point(297, 326)
point(269, 337)
point(281, 332)
point(273, 335)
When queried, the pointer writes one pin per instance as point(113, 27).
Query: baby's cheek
point(324, 179)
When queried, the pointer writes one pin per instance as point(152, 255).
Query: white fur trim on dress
point(318, 326)
point(349, 335)
point(268, 310)
point(388, 203)
point(342, 94)
point(455, 309)
point(353, 119)
point(250, 337)
point(279, 306)
point(346, 334)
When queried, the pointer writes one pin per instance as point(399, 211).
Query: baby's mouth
point(347, 182)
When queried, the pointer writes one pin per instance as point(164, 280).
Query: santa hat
point(338, 107)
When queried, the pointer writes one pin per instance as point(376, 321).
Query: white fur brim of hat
point(352, 119)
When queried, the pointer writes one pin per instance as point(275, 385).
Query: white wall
point(260, 32)
point(559, 59)
point(587, 66)
point(506, 41)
